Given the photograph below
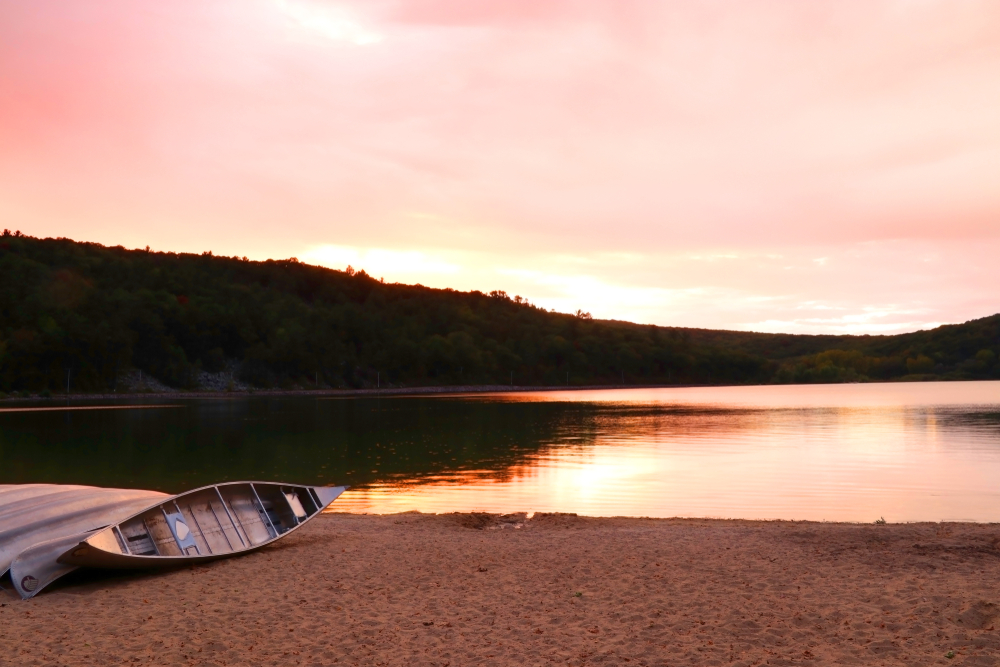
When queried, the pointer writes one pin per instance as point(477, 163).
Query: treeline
point(953, 352)
point(93, 313)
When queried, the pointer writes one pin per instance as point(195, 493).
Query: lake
point(855, 452)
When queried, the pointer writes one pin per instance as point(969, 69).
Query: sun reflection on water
point(841, 453)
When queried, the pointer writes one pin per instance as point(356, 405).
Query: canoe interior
point(217, 520)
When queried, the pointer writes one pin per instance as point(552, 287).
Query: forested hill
point(95, 313)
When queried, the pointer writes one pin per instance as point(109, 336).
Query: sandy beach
point(473, 589)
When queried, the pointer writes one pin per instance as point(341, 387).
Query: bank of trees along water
point(92, 312)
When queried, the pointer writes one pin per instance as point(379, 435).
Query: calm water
point(905, 452)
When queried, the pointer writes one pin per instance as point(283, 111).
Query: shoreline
point(455, 390)
point(676, 519)
point(489, 589)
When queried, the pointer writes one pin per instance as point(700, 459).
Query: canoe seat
point(138, 539)
point(182, 533)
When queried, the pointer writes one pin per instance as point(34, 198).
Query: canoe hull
point(38, 566)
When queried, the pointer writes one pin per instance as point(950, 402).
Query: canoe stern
point(327, 494)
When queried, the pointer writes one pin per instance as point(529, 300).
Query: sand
point(466, 589)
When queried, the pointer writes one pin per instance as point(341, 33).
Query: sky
point(803, 167)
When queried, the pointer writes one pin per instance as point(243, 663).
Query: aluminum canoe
point(48, 530)
point(212, 522)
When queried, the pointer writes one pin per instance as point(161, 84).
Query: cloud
point(649, 148)
point(329, 21)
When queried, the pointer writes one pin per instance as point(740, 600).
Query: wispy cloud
point(330, 21)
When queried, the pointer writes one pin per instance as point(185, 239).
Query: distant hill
point(98, 314)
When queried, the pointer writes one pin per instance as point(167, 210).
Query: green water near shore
point(835, 452)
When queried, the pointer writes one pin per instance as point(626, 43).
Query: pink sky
point(775, 166)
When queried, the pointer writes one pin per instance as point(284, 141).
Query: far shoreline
point(449, 390)
point(456, 390)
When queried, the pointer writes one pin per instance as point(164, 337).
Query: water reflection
point(844, 452)
point(834, 452)
point(296, 439)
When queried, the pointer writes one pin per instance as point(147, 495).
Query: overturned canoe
point(204, 524)
point(35, 513)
